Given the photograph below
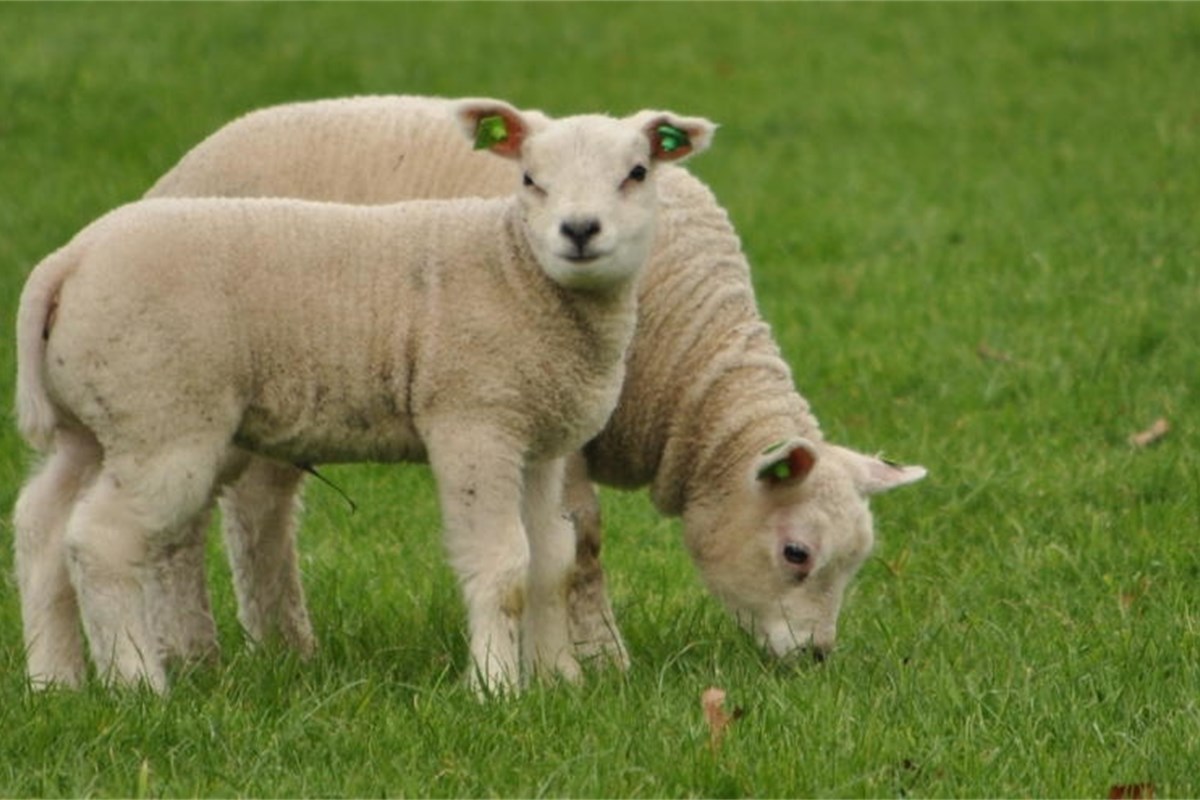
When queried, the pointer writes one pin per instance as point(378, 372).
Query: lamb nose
point(580, 231)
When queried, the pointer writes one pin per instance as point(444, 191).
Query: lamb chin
point(596, 273)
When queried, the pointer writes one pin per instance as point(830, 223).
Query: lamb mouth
point(583, 258)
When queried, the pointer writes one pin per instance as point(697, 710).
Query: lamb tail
point(37, 417)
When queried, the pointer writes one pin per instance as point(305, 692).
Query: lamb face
point(780, 548)
point(587, 233)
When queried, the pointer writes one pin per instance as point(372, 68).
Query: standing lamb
point(172, 341)
point(775, 517)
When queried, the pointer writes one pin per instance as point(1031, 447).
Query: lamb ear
point(786, 463)
point(673, 137)
point(874, 475)
point(494, 125)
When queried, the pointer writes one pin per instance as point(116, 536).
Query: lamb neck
point(705, 386)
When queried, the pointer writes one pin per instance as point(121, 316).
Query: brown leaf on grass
point(989, 353)
point(896, 566)
point(1156, 431)
point(1132, 791)
point(1129, 598)
point(712, 700)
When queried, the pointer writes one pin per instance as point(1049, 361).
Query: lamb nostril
point(580, 231)
point(796, 553)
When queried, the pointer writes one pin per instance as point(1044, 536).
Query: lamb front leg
point(479, 482)
point(260, 511)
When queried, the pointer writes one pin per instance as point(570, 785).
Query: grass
point(976, 232)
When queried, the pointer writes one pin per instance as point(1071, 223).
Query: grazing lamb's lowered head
point(586, 235)
point(780, 549)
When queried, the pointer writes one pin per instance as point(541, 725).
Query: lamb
point(775, 517)
point(176, 345)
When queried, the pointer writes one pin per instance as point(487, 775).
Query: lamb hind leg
point(49, 611)
point(594, 629)
point(116, 533)
point(177, 597)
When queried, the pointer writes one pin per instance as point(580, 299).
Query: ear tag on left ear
point(490, 131)
point(671, 138)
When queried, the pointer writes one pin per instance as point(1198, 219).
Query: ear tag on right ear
point(776, 472)
point(779, 471)
point(671, 138)
point(490, 131)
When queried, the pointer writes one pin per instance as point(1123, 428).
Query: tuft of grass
point(974, 231)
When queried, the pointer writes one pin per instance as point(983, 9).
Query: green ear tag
point(490, 131)
point(779, 471)
point(671, 138)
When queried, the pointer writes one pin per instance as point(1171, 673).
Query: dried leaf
point(1132, 791)
point(1128, 599)
point(712, 700)
point(1151, 435)
point(989, 353)
point(896, 566)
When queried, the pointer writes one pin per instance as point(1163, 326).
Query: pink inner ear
point(802, 460)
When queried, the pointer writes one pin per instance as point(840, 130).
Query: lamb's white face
point(589, 200)
point(779, 552)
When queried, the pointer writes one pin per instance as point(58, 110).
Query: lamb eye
point(638, 173)
point(796, 553)
point(532, 185)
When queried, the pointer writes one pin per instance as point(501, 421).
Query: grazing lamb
point(173, 338)
point(775, 517)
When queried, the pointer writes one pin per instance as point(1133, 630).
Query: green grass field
point(976, 232)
